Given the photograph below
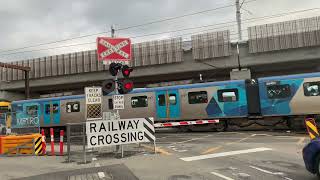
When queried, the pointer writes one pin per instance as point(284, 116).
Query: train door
point(168, 104)
point(51, 113)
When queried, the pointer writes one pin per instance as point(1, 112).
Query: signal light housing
point(126, 70)
point(125, 86)
point(114, 68)
point(108, 86)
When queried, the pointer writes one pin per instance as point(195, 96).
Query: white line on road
point(230, 153)
point(266, 171)
point(101, 175)
point(222, 176)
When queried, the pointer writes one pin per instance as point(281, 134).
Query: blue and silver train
point(284, 97)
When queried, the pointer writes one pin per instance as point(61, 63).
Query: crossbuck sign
point(113, 49)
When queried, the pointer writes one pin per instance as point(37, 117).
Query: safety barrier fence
point(14, 145)
point(77, 150)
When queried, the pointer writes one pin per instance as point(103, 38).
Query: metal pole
point(238, 15)
point(116, 90)
point(68, 141)
point(27, 88)
point(84, 144)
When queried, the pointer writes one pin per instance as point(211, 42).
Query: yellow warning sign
point(312, 128)
point(38, 146)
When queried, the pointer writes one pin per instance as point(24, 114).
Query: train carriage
point(290, 95)
point(282, 96)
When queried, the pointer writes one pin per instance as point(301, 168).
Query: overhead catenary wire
point(249, 19)
point(166, 32)
point(125, 28)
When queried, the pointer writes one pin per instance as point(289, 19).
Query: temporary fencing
point(77, 149)
point(21, 145)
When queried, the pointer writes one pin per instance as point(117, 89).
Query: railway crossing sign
point(118, 101)
point(113, 49)
point(93, 95)
point(93, 103)
point(117, 132)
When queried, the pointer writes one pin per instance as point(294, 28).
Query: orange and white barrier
point(52, 141)
point(44, 145)
point(61, 142)
point(185, 123)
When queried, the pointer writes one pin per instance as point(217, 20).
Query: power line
point(177, 17)
point(152, 34)
point(121, 29)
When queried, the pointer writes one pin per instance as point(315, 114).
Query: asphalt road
point(180, 156)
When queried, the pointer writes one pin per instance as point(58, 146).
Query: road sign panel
point(93, 103)
point(117, 49)
point(118, 101)
point(117, 132)
point(93, 95)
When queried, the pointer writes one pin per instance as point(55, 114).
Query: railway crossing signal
point(108, 86)
point(124, 86)
point(126, 70)
point(114, 68)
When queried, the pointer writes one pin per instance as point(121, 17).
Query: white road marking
point(266, 171)
point(287, 178)
point(230, 153)
point(192, 139)
point(101, 175)
point(261, 135)
point(222, 176)
point(183, 150)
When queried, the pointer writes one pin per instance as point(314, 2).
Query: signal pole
point(116, 91)
point(116, 76)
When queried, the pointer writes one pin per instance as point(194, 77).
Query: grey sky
point(29, 22)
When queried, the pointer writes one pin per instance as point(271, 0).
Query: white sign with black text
point(93, 95)
point(118, 101)
point(115, 132)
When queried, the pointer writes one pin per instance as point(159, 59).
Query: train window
point(198, 97)
point(73, 107)
point(161, 100)
point(32, 110)
point(228, 95)
point(139, 101)
point(278, 91)
point(173, 99)
point(311, 88)
point(110, 103)
point(55, 108)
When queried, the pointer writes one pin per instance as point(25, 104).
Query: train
point(287, 98)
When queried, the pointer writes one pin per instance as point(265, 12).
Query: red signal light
point(128, 85)
point(125, 86)
point(126, 70)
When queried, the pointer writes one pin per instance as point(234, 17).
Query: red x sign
point(113, 49)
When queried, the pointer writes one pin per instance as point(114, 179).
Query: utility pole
point(238, 15)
